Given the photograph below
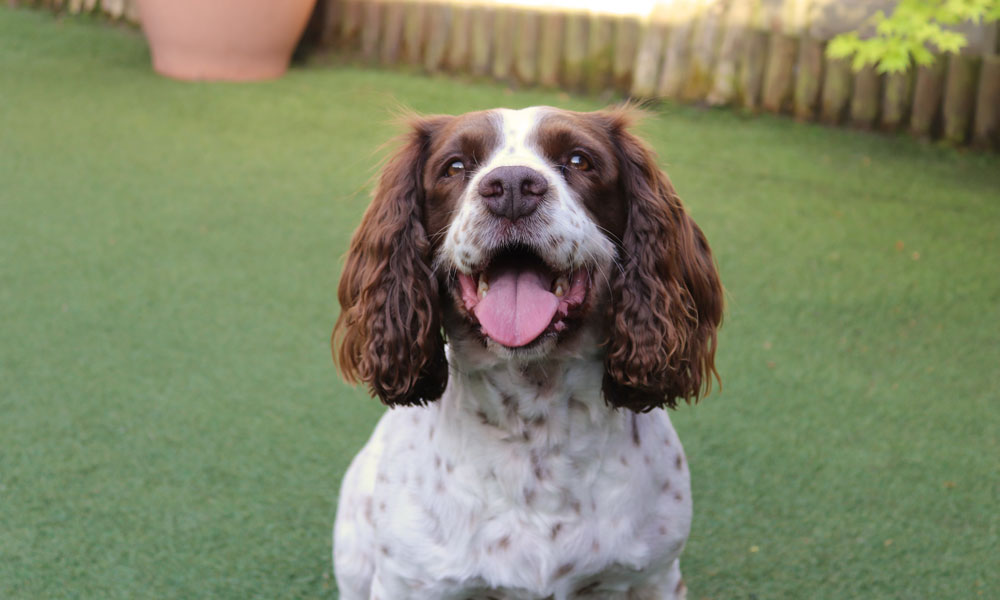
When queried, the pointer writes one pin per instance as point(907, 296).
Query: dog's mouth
point(517, 298)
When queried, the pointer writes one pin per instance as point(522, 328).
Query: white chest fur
point(519, 483)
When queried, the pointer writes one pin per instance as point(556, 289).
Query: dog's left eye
point(456, 168)
point(579, 162)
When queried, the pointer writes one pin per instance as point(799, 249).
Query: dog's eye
point(579, 162)
point(456, 167)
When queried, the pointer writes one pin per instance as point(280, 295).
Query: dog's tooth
point(484, 286)
point(560, 286)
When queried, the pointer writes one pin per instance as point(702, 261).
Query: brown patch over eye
point(579, 162)
point(456, 168)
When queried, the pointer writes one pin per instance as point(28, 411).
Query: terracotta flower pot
point(232, 40)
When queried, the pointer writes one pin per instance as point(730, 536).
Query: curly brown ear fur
point(666, 298)
point(388, 334)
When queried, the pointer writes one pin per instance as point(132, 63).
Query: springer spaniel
point(530, 457)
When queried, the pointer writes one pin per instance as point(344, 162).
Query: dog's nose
point(513, 192)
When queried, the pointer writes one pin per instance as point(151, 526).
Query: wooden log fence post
point(550, 49)
point(394, 14)
point(959, 97)
point(329, 30)
point(896, 99)
point(836, 94)
point(927, 97)
point(725, 81)
point(704, 44)
point(372, 20)
point(598, 63)
point(986, 127)
point(131, 13)
point(438, 30)
point(600, 52)
point(350, 24)
point(526, 58)
point(413, 31)
point(647, 61)
point(457, 59)
point(809, 78)
point(778, 76)
point(865, 99)
point(626, 46)
point(677, 50)
point(503, 43)
point(481, 40)
point(113, 8)
point(574, 50)
point(752, 69)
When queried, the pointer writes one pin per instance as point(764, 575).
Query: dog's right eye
point(579, 161)
point(455, 168)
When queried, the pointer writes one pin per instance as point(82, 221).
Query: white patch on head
point(560, 230)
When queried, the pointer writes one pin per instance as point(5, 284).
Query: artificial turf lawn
point(172, 426)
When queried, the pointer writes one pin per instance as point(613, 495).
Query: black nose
point(513, 192)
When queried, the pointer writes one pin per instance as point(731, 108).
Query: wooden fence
point(125, 10)
point(717, 53)
point(761, 55)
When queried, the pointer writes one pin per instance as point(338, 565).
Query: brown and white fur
point(545, 468)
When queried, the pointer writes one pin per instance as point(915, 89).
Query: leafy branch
point(907, 34)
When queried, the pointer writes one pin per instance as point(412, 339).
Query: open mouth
point(517, 298)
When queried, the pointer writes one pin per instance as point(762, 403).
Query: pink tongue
point(518, 306)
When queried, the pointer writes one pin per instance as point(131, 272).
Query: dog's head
point(524, 235)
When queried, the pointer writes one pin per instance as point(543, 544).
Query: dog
point(527, 292)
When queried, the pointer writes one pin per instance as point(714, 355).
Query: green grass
point(171, 425)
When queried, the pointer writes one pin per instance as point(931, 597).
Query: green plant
point(904, 36)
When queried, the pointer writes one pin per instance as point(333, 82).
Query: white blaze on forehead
point(519, 143)
point(519, 147)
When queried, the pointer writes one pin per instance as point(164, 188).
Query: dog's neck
point(537, 402)
point(530, 430)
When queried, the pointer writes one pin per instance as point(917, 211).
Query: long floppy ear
point(667, 300)
point(388, 334)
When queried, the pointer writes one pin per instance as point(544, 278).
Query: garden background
point(171, 425)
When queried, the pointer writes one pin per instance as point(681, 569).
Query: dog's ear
point(389, 334)
point(667, 300)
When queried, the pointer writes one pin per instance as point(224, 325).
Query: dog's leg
point(378, 593)
point(677, 590)
point(353, 531)
point(668, 586)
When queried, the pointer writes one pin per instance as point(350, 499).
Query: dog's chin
point(541, 347)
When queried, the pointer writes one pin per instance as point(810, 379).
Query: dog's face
point(518, 232)
point(522, 221)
